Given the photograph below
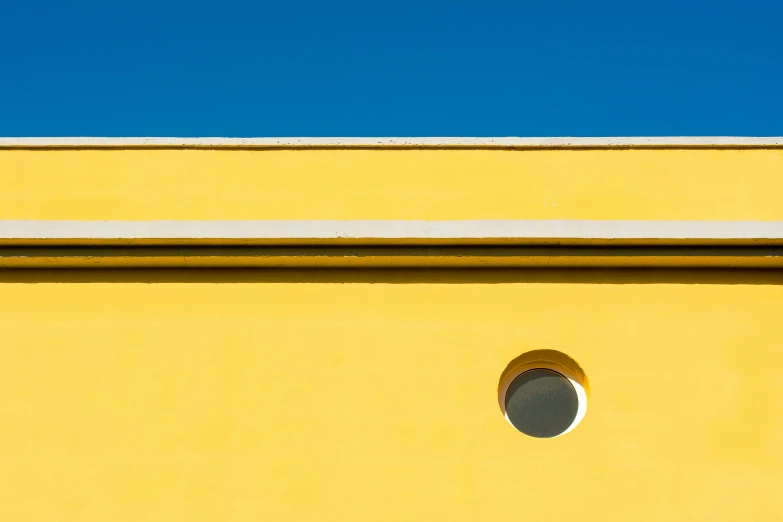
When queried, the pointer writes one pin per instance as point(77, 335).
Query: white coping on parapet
point(402, 143)
point(393, 230)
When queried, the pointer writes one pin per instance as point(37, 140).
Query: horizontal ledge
point(464, 232)
point(390, 257)
point(402, 143)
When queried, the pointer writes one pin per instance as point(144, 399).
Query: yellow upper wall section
point(234, 184)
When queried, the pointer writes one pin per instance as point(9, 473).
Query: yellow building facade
point(300, 330)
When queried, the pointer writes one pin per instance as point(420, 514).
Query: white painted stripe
point(507, 142)
point(503, 231)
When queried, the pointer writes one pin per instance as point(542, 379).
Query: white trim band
point(520, 232)
point(401, 143)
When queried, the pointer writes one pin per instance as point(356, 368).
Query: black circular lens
point(541, 403)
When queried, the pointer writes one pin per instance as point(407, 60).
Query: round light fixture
point(543, 394)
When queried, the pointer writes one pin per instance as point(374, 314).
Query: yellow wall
point(188, 395)
point(664, 184)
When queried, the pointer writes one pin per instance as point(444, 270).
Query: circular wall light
point(543, 393)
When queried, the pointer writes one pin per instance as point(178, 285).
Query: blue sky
point(402, 68)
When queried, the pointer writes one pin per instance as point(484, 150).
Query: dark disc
point(541, 403)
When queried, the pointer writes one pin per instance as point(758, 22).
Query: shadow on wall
point(609, 276)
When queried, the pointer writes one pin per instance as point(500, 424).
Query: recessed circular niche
point(543, 394)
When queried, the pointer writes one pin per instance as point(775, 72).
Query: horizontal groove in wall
point(389, 257)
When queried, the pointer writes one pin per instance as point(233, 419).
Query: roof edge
point(396, 143)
